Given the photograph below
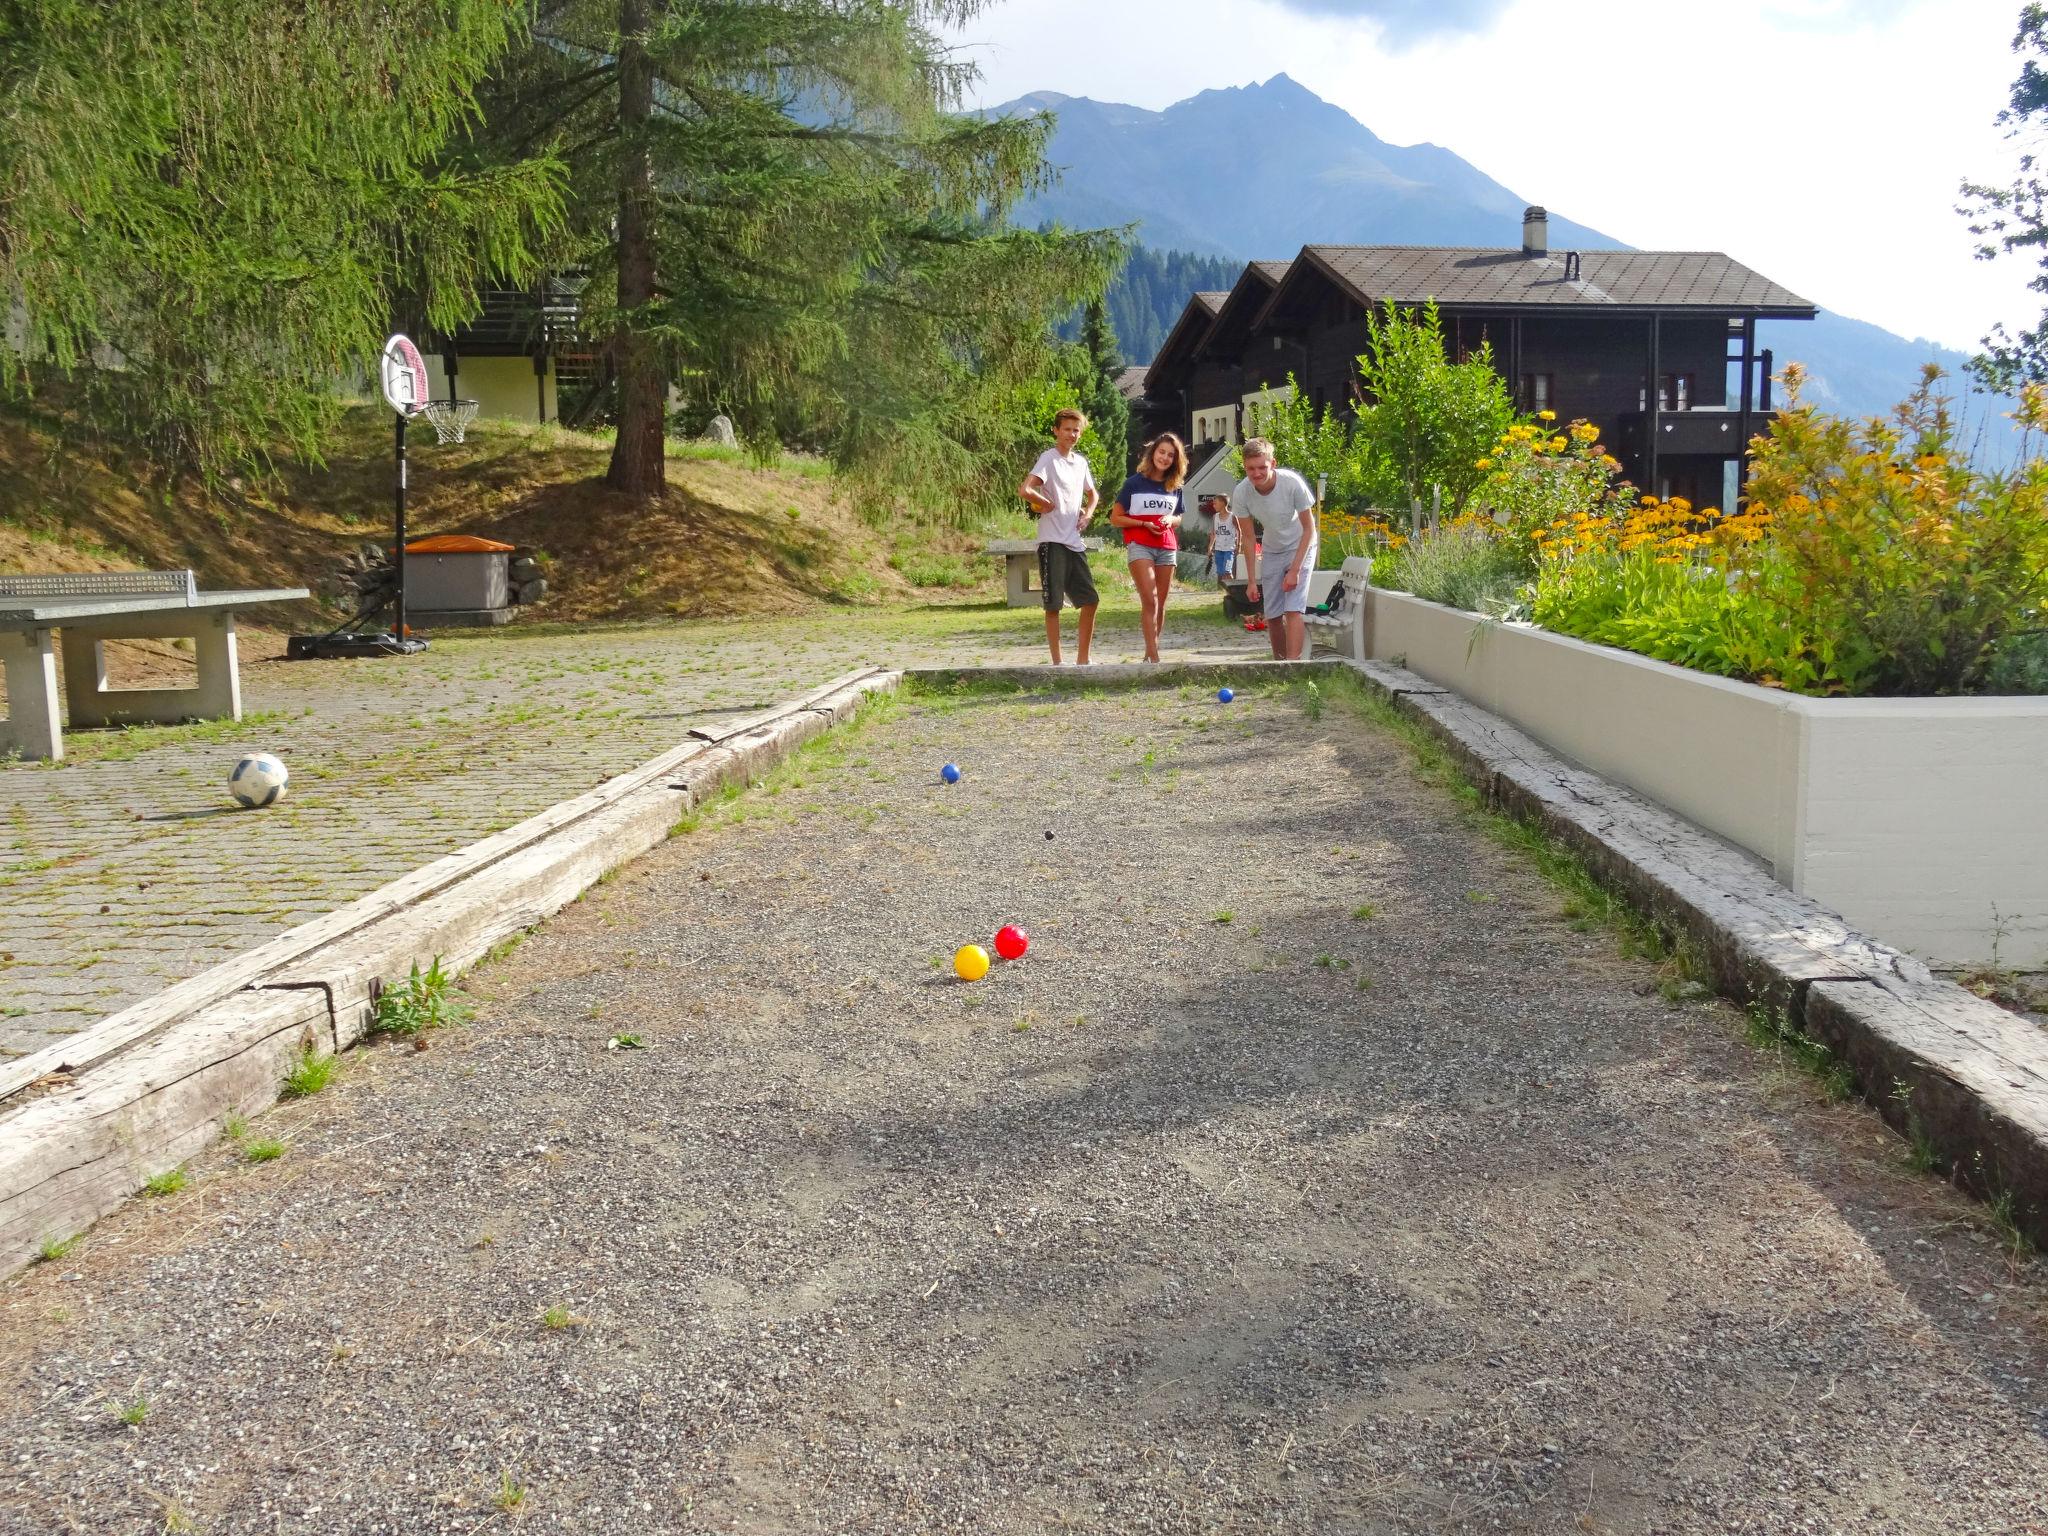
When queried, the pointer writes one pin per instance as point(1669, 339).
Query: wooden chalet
point(525, 357)
point(1656, 348)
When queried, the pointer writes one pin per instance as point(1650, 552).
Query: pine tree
point(783, 218)
point(1108, 411)
point(210, 213)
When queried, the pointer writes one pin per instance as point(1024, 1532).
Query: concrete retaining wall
point(1923, 821)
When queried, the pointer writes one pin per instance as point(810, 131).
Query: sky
point(1820, 142)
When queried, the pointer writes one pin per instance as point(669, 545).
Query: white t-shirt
point(1278, 514)
point(1067, 481)
point(1223, 532)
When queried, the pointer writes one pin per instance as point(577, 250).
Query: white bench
point(113, 605)
point(1344, 630)
point(1020, 562)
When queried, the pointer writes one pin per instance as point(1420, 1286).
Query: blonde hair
point(1068, 413)
point(1258, 448)
point(1175, 475)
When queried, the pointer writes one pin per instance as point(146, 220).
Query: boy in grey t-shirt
point(1060, 490)
point(1284, 509)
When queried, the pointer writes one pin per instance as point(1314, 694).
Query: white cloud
point(1820, 141)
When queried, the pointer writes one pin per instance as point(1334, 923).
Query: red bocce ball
point(1012, 941)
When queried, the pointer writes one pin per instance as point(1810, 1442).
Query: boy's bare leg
point(1287, 633)
point(1276, 636)
point(1052, 635)
point(1087, 634)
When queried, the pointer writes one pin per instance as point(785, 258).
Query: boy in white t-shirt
point(1061, 491)
point(1276, 526)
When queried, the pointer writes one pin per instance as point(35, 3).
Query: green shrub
point(1463, 565)
point(2019, 664)
point(1909, 567)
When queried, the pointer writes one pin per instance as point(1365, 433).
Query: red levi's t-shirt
point(1142, 496)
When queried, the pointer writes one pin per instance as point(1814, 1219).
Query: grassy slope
point(729, 538)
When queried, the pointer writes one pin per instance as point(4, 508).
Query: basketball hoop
point(449, 417)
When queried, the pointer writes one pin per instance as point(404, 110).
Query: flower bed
point(1922, 820)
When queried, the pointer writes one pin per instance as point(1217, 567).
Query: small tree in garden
point(1314, 444)
point(1910, 566)
point(1430, 420)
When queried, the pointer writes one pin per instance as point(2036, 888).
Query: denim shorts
point(1226, 562)
point(1137, 552)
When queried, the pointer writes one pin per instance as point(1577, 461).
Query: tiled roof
point(1212, 301)
point(1272, 271)
point(1409, 274)
point(1131, 383)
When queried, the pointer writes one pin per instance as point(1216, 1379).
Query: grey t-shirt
point(1278, 513)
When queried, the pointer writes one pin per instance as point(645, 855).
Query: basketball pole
point(398, 550)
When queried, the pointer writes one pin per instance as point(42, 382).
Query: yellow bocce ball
point(970, 962)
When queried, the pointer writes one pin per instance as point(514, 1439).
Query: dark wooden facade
point(1655, 348)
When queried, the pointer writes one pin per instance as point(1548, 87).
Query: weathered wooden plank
point(1963, 1073)
point(69, 1158)
point(725, 730)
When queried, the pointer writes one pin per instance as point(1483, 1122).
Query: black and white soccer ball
point(258, 780)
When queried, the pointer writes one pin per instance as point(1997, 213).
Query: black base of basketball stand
point(374, 642)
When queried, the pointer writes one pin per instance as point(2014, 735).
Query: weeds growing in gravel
point(1922, 1156)
point(510, 1495)
point(420, 1003)
point(2012, 1237)
point(169, 1182)
point(51, 1249)
point(309, 1073)
point(558, 1317)
point(265, 1151)
point(236, 1126)
point(1771, 1029)
point(1364, 912)
point(132, 1412)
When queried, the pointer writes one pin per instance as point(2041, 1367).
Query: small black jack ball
point(1048, 835)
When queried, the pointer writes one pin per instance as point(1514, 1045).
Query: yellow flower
point(1546, 415)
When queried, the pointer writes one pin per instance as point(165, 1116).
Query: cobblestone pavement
point(123, 869)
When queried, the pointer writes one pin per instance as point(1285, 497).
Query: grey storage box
point(457, 579)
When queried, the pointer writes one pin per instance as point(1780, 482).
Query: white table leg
point(33, 726)
point(216, 693)
point(1018, 569)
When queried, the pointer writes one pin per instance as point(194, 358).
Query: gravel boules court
point(1319, 1168)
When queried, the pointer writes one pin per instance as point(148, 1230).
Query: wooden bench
point(113, 605)
point(1020, 563)
point(1344, 630)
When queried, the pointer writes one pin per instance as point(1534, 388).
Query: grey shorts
point(1274, 598)
point(1065, 576)
point(1137, 552)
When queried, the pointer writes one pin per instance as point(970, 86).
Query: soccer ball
point(258, 780)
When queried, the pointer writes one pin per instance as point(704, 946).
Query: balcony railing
point(1710, 429)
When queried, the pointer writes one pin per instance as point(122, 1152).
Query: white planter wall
point(1922, 821)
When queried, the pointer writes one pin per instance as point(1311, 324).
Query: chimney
point(1535, 231)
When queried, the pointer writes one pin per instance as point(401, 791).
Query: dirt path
point(1391, 1203)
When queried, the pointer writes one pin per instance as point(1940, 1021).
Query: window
point(1539, 391)
point(1674, 392)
